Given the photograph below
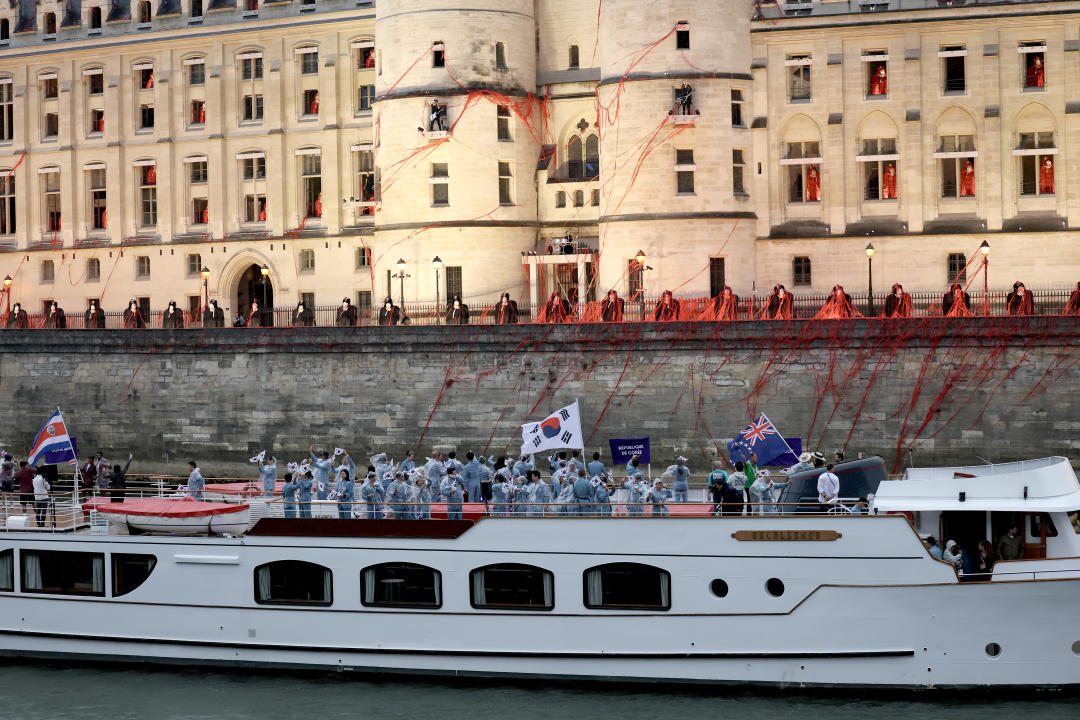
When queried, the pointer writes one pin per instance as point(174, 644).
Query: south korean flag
point(559, 430)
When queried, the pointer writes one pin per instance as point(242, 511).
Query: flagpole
point(78, 477)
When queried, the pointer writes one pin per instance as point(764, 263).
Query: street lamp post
point(985, 250)
point(870, 280)
point(437, 264)
point(265, 272)
point(206, 286)
point(401, 275)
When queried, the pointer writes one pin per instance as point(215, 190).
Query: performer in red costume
point(967, 179)
point(898, 304)
point(667, 308)
point(1020, 301)
point(1036, 76)
point(838, 306)
point(813, 185)
point(879, 81)
point(1046, 176)
point(780, 305)
point(956, 302)
point(555, 310)
point(724, 306)
point(888, 183)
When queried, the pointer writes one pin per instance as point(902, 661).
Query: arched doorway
point(252, 285)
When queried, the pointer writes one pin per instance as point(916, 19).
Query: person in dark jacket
point(956, 302)
point(304, 316)
point(55, 319)
point(389, 313)
point(781, 305)
point(1020, 300)
point(133, 318)
point(17, 319)
point(213, 316)
point(611, 307)
point(898, 303)
point(667, 308)
point(255, 316)
point(506, 312)
point(94, 319)
point(118, 480)
point(173, 317)
point(346, 314)
point(457, 313)
point(556, 310)
point(89, 473)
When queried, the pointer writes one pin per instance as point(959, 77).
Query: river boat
point(795, 599)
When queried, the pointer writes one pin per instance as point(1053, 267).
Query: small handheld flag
point(259, 457)
point(339, 451)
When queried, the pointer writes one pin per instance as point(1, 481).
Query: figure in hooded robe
point(304, 316)
point(1020, 301)
point(506, 311)
point(389, 313)
point(555, 310)
point(94, 318)
point(888, 182)
point(172, 318)
point(879, 81)
point(1036, 73)
point(956, 302)
point(213, 316)
point(725, 306)
point(667, 308)
point(1073, 306)
point(133, 319)
point(813, 184)
point(1046, 176)
point(781, 305)
point(255, 316)
point(611, 307)
point(838, 306)
point(55, 319)
point(346, 314)
point(967, 179)
point(17, 319)
point(898, 303)
point(457, 313)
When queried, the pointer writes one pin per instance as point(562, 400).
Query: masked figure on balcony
point(1020, 301)
point(611, 307)
point(724, 306)
point(506, 311)
point(956, 302)
point(898, 303)
point(457, 313)
point(389, 313)
point(94, 319)
point(838, 306)
point(780, 305)
point(54, 317)
point(555, 310)
point(667, 308)
point(1073, 306)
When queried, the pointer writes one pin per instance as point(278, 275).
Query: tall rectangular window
point(198, 172)
point(366, 94)
point(954, 77)
point(365, 175)
point(7, 110)
point(198, 112)
point(307, 260)
point(956, 267)
point(363, 258)
point(95, 83)
point(738, 172)
point(1036, 154)
point(560, 198)
point(48, 271)
point(737, 108)
point(956, 155)
point(253, 188)
point(798, 67)
point(440, 184)
point(142, 267)
point(97, 121)
point(500, 56)
point(7, 204)
point(93, 270)
point(311, 181)
point(50, 88)
point(575, 57)
point(506, 183)
point(502, 121)
point(253, 107)
point(880, 168)
point(635, 275)
point(98, 197)
point(51, 127)
point(684, 172)
point(1032, 64)
point(438, 55)
point(309, 62)
point(147, 196)
point(51, 184)
point(717, 280)
point(146, 117)
point(800, 271)
point(682, 35)
point(803, 173)
point(310, 102)
point(251, 68)
point(363, 303)
point(197, 74)
point(453, 283)
point(194, 264)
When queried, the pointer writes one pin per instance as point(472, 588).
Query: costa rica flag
point(51, 438)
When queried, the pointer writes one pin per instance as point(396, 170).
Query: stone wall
point(999, 388)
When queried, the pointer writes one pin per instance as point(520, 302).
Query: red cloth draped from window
point(1046, 176)
point(1036, 75)
point(838, 307)
point(967, 179)
point(879, 81)
point(813, 184)
point(724, 306)
point(898, 304)
point(888, 183)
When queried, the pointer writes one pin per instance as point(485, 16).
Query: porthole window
point(627, 586)
point(774, 586)
point(511, 586)
point(1076, 647)
point(719, 588)
point(293, 582)
point(401, 585)
point(993, 649)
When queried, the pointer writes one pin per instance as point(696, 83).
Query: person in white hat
point(803, 465)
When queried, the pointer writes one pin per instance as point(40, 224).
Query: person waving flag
point(759, 437)
point(52, 437)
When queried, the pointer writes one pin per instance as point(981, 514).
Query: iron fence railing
point(806, 305)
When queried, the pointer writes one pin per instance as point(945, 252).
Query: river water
point(57, 692)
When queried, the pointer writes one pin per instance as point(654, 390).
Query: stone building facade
point(144, 142)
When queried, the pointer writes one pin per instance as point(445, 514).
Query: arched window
point(627, 586)
point(401, 585)
point(802, 156)
point(511, 586)
point(5, 29)
point(592, 157)
point(575, 167)
point(293, 582)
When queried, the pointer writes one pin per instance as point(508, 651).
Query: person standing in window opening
point(888, 183)
point(879, 81)
point(838, 306)
point(1046, 176)
point(967, 179)
point(555, 310)
point(55, 319)
point(94, 318)
point(611, 307)
point(1036, 75)
point(213, 316)
point(506, 312)
point(369, 58)
point(1020, 300)
point(1072, 307)
point(681, 480)
point(437, 117)
point(172, 318)
point(316, 208)
point(304, 316)
point(150, 176)
point(458, 312)
point(724, 306)
point(898, 303)
point(262, 212)
point(780, 305)
point(17, 319)
point(255, 316)
point(813, 184)
point(149, 82)
point(346, 314)
point(389, 313)
point(956, 302)
point(195, 483)
point(667, 308)
point(204, 216)
point(313, 106)
point(117, 480)
point(288, 494)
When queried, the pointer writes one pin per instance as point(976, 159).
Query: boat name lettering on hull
point(788, 535)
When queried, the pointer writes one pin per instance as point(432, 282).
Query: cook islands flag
point(52, 438)
point(759, 437)
point(560, 429)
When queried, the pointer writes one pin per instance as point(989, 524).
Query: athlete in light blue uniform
point(304, 496)
point(602, 496)
point(421, 497)
point(288, 493)
point(501, 491)
point(371, 497)
point(471, 476)
point(681, 486)
point(397, 495)
point(659, 496)
point(453, 492)
point(345, 495)
point(436, 474)
point(268, 474)
point(596, 468)
point(322, 467)
point(583, 494)
point(409, 463)
point(635, 495)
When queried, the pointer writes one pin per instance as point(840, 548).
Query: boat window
point(7, 571)
point(627, 586)
point(511, 586)
point(401, 585)
point(719, 588)
point(130, 571)
point(774, 586)
point(63, 573)
point(1036, 520)
point(293, 582)
point(1074, 520)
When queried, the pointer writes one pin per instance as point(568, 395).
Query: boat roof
point(1042, 485)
